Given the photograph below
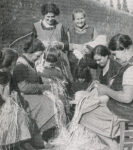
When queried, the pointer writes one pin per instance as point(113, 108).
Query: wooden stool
point(126, 134)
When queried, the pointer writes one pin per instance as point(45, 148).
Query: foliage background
point(17, 18)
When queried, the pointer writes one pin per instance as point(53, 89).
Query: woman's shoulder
point(114, 63)
point(71, 28)
point(38, 22)
point(89, 27)
point(129, 70)
point(128, 76)
point(21, 66)
point(20, 71)
point(60, 26)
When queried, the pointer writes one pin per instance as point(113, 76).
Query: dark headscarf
point(33, 46)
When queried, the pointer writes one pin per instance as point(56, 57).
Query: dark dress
point(111, 73)
point(103, 78)
point(123, 110)
point(29, 83)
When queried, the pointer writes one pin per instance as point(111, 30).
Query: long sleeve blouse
point(29, 82)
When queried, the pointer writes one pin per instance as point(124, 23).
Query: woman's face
point(101, 60)
point(79, 19)
point(49, 18)
point(120, 56)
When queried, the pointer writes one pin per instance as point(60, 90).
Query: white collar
point(46, 24)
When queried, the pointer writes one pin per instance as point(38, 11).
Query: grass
point(18, 17)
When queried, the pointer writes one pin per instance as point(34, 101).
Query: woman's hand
point(103, 99)
point(102, 89)
point(58, 45)
point(76, 46)
point(46, 43)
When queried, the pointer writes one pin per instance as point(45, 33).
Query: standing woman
point(52, 33)
point(79, 35)
point(14, 122)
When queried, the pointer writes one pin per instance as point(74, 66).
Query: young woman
point(48, 30)
point(14, 121)
point(52, 33)
point(104, 120)
point(107, 67)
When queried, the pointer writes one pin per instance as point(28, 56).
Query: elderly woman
point(14, 121)
point(41, 107)
point(52, 33)
point(79, 35)
point(104, 120)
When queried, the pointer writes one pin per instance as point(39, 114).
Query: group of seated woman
point(35, 87)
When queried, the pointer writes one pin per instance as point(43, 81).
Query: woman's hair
point(52, 55)
point(75, 11)
point(7, 56)
point(120, 42)
point(50, 8)
point(101, 50)
point(33, 46)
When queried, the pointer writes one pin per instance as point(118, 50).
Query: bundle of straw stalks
point(14, 123)
point(75, 136)
point(55, 93)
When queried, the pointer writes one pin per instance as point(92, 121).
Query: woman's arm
point(21, 77)
point(64, 39)
point(34, 33)
point(30, 88)
point(124, 96)
point(51, 73)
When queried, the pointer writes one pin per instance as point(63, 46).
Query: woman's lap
point(41, 108)
point(102, 121)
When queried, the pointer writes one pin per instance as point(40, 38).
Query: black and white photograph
point(66, 74)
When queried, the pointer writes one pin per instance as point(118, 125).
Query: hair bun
point(50, 7)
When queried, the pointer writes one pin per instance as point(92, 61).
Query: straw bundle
point(75, 136)
point(13, 123)
point(53, 94)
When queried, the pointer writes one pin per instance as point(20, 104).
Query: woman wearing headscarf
point(41, 107)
